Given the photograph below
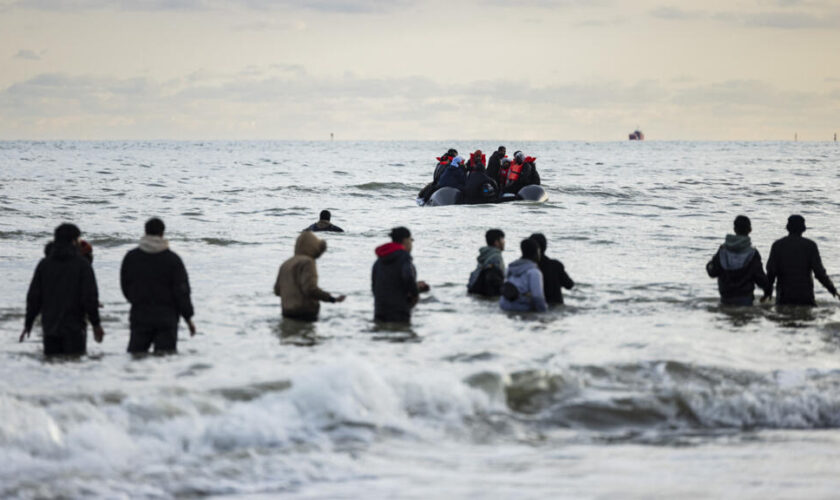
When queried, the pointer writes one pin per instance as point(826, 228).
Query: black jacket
point(738, 273)
point(480, 188)
point(394, 283)
point(63, 290)
point(157, 286)
point(494, 164)
point(323, 225)
point(554, 279)
point(792, 260)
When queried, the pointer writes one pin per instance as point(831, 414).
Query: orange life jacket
point(516, 169)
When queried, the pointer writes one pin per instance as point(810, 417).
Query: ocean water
point(642, 386)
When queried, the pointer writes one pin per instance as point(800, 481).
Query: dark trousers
point(737, 301)
point(74, 344)
point(163, 336)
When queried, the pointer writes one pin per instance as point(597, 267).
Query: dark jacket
point(480, 188)
point(554, 279)
point(737, 267)
point(63, 290)
point(528, 176)
point(453, 176)
point(155, 282)
point(792, 260)
point(324, 225)
point(394, 283)
point(489, 274)
point(494, 165)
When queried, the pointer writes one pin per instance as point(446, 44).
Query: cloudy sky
point(427, 69)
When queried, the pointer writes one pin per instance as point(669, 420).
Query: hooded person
point(455, 175)
point(154, 280)
point(794, 262)
point(489, 274)
point(297, 280)
point(324, 224)
point(522, 172)
point(480, 188)
point(63, 291)
point(523, 287)
point(737, 266)
point(394, 279)
point(554, 273)
point(443, 162)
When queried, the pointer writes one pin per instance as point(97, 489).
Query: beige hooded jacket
point(297, 280)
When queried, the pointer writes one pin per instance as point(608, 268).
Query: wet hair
point(67, 233)
point(398, 234)
point(493, 235)
point(742, 225)
point(530, 249)
point(796, 224)
point(325, 215)
point(155, 227)
point(541, 241)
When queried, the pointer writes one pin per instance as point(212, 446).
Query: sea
point(641, 386)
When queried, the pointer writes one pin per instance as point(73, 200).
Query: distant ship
point(637, 135)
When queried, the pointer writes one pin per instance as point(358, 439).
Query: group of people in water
point(154, 280)
point(482, 180)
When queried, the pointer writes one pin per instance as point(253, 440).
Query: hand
point(340, 298)
point(422, 286)
point(191, 326)
point(765, 298)
point(24, 334)
point(98, 333)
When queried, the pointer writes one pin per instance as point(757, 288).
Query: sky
point(427, 70)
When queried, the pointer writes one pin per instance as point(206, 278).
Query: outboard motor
point(532, 192)
point(447, 196)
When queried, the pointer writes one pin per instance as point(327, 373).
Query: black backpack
point(489, 282)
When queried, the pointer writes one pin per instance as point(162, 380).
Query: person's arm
point(336, 229)
point(772, 272)
point(409, 279)
point(759, 278)
point(819, 271)
point(309, 282)
point(125, 277)
point(713, 267)
point(535, 283)
point(90, 301)
point(181, 290)
point(33, 302)
point(565, 280)
point(536, 177)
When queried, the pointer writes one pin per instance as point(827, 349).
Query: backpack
point(510, 292)
point(489, 282)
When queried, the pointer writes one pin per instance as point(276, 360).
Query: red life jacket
point(516, 170)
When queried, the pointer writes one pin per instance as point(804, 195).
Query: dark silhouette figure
point(394, 279)
point(792, 261)
point(554, 273)
point(737, 267)
point(495, 162)
point(489, 274)
point(154, 280)
point(324, 224)
point(63, 291)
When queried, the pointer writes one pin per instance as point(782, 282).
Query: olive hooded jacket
point(297, 280)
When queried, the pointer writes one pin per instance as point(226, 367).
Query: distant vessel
point(637, 135)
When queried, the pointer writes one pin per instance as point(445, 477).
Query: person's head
point(742, 225)
point(541, 241)
point(67, 234)
point(155, 227)
point(796, 224)
point(519, 157)
point(502, 150)
point(402, 236)
point(452, 152)
point(495, 238)
point(505, 162)
point(325, 215)
point(530, 249)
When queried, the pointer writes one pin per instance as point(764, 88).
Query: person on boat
point(737, 267)
point(489, 274)
point(523, 288)
point(443, 162)
point(522, 172)
point(455, 175)
point(297, 280)
point(480, 188)
point(504, 169)
point(394, 279)
point(494, 164)
point(324, 224)
point(477, 160)
point(554, 273)
point(154, 280)
point(794, 261)
point(63, 291)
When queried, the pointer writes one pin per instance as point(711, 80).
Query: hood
point(486, 254)
point(736, 253)
point(153, 244)
point(310, 245)
point(521, 266)
point(388, 249)
point(457, 161)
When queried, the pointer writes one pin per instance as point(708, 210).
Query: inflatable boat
point(451, 196)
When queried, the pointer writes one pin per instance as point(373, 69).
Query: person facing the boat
point(297, 280)
point(523, 288)
point(737, 267)
point(522, 172)
point(489, 274)
point(443, 161)
point(455, 175)
point(480, 188)
point(394, 279)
